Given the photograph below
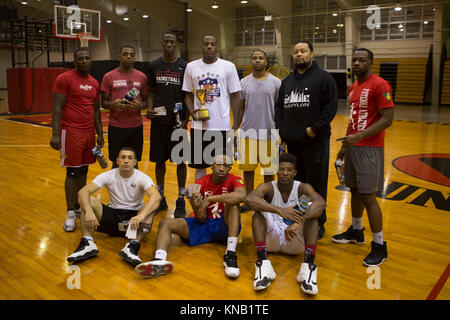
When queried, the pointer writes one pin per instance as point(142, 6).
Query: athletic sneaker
point(154, 268)
point(264, 274)
point(244, 208)
point(351, 235)
point(378, 254)
point(86, 249)
point(307, 277)
point(180, 208)
point(71, 218)
point(130, 253)
point(162, 205)
point(230, 264)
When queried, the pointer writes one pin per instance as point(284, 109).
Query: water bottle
point(133, 93)
point(99, 155)
point(178, 107)
point(304, 206)
point(339, 165)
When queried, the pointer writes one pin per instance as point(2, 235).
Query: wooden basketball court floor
point(34, 246)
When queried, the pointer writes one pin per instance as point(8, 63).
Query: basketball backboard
point(71, 21)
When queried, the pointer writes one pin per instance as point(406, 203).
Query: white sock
point(161, 254)
point(88, 238)
point(357, 223)
point(232, 243)
point(377, 237)
point(199, 173)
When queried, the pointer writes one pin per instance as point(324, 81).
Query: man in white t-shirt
point(127, 187)
point(221, 78)
point(258, 140)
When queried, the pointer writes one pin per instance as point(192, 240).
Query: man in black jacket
point(306, 105)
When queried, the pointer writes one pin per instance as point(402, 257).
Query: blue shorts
point(211, 231)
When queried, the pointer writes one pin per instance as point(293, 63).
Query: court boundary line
point(439, 284)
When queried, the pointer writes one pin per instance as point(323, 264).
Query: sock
point(161, 190)
point(88, 238)
point(199, 173)
point(161, 254)
point(310, 253)
point(377, 237)
point(261, 250)
point(357, 223)
point(232, 243)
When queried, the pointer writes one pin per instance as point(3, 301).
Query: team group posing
point(289, 213)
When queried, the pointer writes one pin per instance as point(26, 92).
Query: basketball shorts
point(161, 144)
point(276, 240)
point(214, 141)
point(125, 137)
point(109, 223)
point(364, 168)
point(254, 151)
point(213, 230)
point(77, 147)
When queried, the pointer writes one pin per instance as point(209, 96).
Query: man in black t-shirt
point(167, 112)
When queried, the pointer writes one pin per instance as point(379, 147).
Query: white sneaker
point(264, 274)
point(86, 249)
point(307, 278)
point(71, 218)
point(230, 264)
point(154, 268)
point(130, 253)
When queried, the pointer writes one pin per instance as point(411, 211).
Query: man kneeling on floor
point(216, 218)
point(283, 221)
point(127, 187)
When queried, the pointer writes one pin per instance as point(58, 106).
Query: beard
point(303, 64)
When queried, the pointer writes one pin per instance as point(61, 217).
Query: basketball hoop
point(84, 38)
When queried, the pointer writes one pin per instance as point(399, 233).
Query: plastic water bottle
point(99, 155)
point(133, 93)
point(339, 165)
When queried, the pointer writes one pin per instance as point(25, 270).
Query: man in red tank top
point(75, 119)
point(371, 112)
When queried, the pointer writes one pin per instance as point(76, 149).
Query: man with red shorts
point(216, 217)
point(75, 119)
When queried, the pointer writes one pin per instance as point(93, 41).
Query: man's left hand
point(310, 133)
point(135, 105)
point(135, 221)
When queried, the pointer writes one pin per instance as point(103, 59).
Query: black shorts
point(109, 223)
point(161, 144)
point(125, 137)
point(197, 159)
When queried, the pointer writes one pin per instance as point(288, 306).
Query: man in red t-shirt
point(125, 127)
point(371, 112)
point(75, 118)
point(216, 217)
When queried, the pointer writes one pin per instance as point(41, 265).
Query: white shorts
point(275, 239)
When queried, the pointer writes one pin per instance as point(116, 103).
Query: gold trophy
point(202, 113)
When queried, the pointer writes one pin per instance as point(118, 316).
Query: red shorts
point(77, 147)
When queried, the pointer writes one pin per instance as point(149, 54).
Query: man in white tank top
point(278, 227)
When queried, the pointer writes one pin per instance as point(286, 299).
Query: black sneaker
point(377, 255)
point(180, 208)
point(321, 231)
point(130, 253)
point(230, 264)
point(86, 249)
point(244, 208)
point(162, 205)
point(351, 235)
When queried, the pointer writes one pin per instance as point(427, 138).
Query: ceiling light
point(189, 9)
point(215, 6)
point(126, 19)
point(317, 28)
point(24, 3)
point(400, 26)
point(398, 8)
point(425, 22)
point(145, 16)
point(108, 21)
point(244, 1)
point(267, 18)
point(401, 30)
point(335, 14)
point(334, 31)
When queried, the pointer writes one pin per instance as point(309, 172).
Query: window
point(252, 29)
point(412, 22)
point(309, 23)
